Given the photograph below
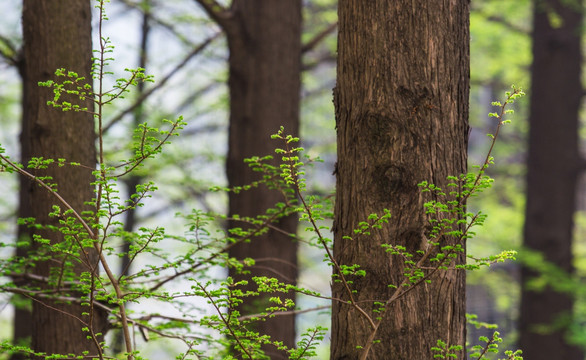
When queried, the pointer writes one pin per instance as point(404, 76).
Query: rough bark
point(553, 166)
point(402, 117)
point(57, 34)
point(264, 39)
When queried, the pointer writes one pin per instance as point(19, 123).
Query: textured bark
point(57, 34)
point(402, 117)
point(553, 166)
point(264, 39)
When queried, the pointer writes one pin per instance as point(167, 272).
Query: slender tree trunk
point(264, 40)
point(57, 34)
point(553, 167)
point(134, 180)
point(402, 117)
point(22, 321)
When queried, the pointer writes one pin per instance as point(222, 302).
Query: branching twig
point(312, 43)
point(161, 82)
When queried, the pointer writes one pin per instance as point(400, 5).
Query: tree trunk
point(134, 180)
point(57, 34)
point(553, 167)
point(402, 117)
point(264, 40)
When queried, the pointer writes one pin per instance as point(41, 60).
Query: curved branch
point(319, 37)
point(163, 81)
point(10, 53)
point(216, 12)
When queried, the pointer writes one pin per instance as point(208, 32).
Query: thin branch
point(216, 12)
point(311, 44)
point(35, 295)
point(509, 25)
point(290, 312)
point(163, 81)
point(325, 58)
point(250, 235)
point(168, 26)
point(51, 191)
point(225, 321)
point(311, 219)
point(500, 20)
point(10, 55)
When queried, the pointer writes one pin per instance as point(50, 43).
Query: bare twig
point(162, 82)
point(509, 25)
point(11, 54)
point(319, 37)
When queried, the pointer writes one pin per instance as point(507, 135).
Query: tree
point(57, 34)
point(22, 321)
point(264, 40)
point(401, 113)
point(553, 166)
point(134, 180)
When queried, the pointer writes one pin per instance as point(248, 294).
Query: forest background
point(187, 54)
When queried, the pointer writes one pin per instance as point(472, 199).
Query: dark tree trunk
point(264, 40)
point(57, 34)
point(553, 167)
point(402, 117)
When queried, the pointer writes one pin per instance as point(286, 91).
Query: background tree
point(553, 167)
point(401, 114)
point(264, 41)
point(134, 179)
point(57, 34)
point(498, 30)
point(22, 322)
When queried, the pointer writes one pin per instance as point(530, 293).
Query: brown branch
point(311, 219)
point(225, 321)
point(170, 27)
point(37, 295)
point(509, 25)
point(11, 54)
point(216, 12)
point(35, 179)
point(323, 59)
point(311, 44)
point(283, 313)
point(163, 81)
point(500, 20)
point(92, 334)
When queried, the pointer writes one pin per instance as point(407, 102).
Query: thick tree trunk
point(402, 117)
point(553, 166)
point(264, 40)
point(57, 34)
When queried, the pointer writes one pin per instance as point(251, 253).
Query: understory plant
point(201, 303)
